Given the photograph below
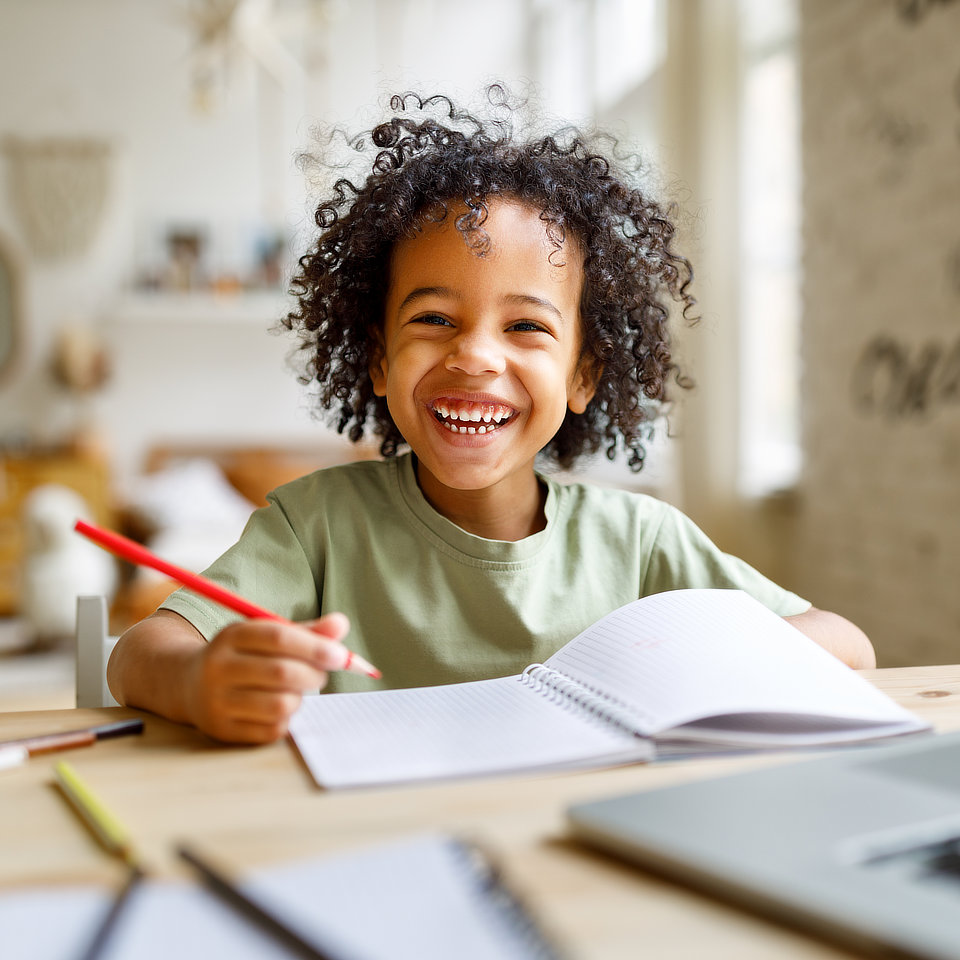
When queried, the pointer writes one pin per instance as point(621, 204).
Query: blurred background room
point(151, 207)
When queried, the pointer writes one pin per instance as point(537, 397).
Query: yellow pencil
point(114, 838)
point(105, 826)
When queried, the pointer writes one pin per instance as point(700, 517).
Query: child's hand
point(248, 681)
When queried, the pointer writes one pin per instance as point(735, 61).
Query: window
point(770, 247)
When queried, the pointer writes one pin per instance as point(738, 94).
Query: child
point(484, 300)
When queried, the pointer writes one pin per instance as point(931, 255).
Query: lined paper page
point(687, 654)
point(482, 727)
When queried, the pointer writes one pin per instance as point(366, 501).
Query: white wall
point(120, 71)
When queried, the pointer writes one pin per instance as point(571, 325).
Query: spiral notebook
point(425, 897)
point(669, 674)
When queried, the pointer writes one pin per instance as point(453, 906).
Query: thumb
point(331, 626)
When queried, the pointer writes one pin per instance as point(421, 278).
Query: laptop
point(861, 847)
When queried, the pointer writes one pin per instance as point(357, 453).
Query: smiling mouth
point(471, 417)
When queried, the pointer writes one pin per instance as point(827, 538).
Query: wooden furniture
point(253, 471)
point(87, 473)
point(254, 806)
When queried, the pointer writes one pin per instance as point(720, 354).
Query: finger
point(332, 655)
point(335, 626)
point(248, 731)
point(261, 706)
point(272, 639)
point(256, 672)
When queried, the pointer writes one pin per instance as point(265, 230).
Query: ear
point(584, 383)
point(378, 365)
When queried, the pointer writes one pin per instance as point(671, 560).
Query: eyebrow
point(419, 293)
point(520, 299)
point(525, 298)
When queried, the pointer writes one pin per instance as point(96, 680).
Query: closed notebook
point(673, 673)
point(426, 897)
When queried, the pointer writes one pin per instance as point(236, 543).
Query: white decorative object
point(58, 189)
point(59, 566)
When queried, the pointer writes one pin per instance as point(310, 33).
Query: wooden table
point(257, 806)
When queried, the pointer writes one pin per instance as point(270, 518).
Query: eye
point(526, 326)
point(432, 319)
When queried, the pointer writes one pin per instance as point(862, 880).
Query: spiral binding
point(567, 692)
point(484, 868)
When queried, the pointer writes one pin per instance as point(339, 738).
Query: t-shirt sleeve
point(267, 566)
point(682, 556)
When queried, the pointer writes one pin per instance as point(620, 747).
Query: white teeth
point(492, 416)
point(453, 428)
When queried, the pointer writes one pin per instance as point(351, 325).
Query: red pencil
point(140, 555)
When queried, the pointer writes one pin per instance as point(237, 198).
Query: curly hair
point(431, 155)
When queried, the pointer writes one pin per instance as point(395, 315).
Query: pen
point(232, 895)
point(138, 554)
point(114, 838)
point(15, 752)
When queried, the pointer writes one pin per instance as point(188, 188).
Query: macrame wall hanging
point(58, 190)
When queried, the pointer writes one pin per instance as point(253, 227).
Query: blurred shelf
point(258, 306)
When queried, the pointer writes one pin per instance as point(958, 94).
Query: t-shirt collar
point(478, 547)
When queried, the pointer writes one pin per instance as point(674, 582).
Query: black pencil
point(109, 922)
point(236, 898)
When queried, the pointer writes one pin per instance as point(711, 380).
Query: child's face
point(481, 356)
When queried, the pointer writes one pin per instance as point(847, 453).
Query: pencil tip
point(356, 664)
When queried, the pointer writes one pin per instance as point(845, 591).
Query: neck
point(506, 512)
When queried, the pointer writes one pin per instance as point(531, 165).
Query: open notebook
point(683, 671)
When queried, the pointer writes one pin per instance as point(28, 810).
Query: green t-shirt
point(430, 603)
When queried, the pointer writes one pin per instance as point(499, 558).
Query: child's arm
point(241, 687)
point(837, 635)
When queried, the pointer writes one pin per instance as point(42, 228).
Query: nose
point(476, 353)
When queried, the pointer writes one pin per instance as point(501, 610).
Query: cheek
point(397, 381)
point(549, 386)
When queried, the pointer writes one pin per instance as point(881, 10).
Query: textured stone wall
point(879, 527)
